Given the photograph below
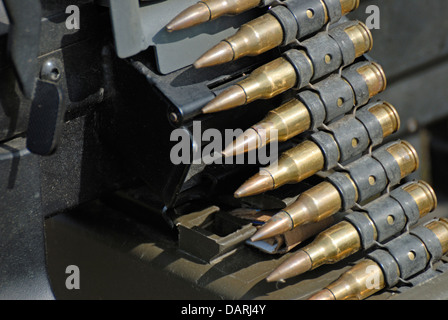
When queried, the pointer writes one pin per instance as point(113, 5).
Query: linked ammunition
point(208, 10)
point(330, 99)
point(320, 56)
point(360, 181)
point(344, 140)
point(281, 26)
point(401, 258)
point(379, 221)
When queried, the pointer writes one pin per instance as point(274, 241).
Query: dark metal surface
point(431, 289)
point(24, 40)
point(124, 253)
point(211, 234)
point(117, 134)
point(22, 242)
point(46, 118)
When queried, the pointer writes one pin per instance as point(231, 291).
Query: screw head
point(51, 70)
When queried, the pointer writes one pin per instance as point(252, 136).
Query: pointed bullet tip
point(210, 108)
point(192, 16)
point(227, 152)
point(197, 64)
point(274, 279)
point(231, 98)
point(256, 185)
point(278, 224)
point(257, 237)
point(254, 238)
point(248, 141)
point(219, 54)
point(296, 265)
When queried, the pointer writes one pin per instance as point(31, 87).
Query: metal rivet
point(412, 125)
point(390, 220)
point(173, 117)
point(51, 70)
point(310, 13)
